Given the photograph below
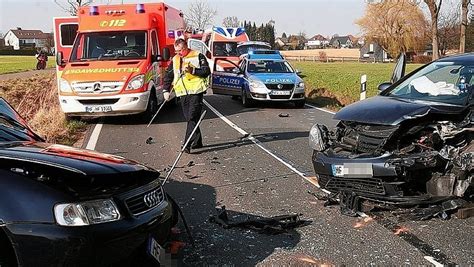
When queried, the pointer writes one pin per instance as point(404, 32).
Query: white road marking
point(320, 109)
point(94, 136)
point(291, 167)
point(433, 261)
point(259, 144)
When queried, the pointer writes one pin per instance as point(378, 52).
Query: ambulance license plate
point(154, 249)
point(98, 109)
point(281, 93)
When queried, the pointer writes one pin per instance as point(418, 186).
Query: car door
point(202, 48)
point(65, 31)
point(229, 81)
point(399, 70)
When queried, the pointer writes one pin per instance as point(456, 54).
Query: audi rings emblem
point(153, 198)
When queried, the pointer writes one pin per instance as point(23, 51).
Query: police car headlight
point(64, 86)
point(86, 213)
point(257, 86)
point(318, 137)
point(300, 85)
point(136, 82)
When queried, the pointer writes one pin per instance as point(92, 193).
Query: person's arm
point(168, 78)
point(204, 70)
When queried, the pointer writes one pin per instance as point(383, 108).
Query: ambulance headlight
point(64, 86)
point(136, 82)
point(257, 86)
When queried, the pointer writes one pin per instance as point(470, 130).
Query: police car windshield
point(268, 66)
point(225, 49)
point(446, 82)
point(110, 46)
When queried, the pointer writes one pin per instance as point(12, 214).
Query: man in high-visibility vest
point(188, 76)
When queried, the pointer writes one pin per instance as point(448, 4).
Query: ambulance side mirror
point(165, 55)
point(60, 59)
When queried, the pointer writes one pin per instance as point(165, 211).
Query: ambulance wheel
point(246, 101)
point(300, 103)
point(152, 106)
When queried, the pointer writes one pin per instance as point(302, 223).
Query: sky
point(326, 17)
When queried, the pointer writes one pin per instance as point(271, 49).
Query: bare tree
point(464, 22)
point(200, 15)
point(72, 6)
point(231, 22)
point(448, 29)
point(434, 6)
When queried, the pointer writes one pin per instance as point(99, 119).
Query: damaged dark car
point(409, 145)
point(62, 206)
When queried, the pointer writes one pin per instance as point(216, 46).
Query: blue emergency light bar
point(264, 54)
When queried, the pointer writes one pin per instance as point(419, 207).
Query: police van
point(262, 75)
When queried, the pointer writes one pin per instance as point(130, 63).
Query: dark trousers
point(192, 108)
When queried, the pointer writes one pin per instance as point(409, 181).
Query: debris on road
point(270, 226)
point(283, 115)
point(150, 141)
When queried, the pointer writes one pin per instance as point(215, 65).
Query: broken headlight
point(318, 137)
point(86, 213)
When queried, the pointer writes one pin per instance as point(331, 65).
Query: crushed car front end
point(411, 145)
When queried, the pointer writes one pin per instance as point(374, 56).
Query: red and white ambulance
point(111, 58)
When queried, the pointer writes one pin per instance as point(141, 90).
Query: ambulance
point(111, 58)
point(220, 43)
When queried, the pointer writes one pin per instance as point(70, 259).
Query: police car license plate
point(281, 93)
point(154, 249)
point(98, 109)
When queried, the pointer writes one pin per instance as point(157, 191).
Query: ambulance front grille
point(97, 87)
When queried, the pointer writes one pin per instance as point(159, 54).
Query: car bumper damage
point(395, 165)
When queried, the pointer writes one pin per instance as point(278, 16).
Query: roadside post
point(363, 87)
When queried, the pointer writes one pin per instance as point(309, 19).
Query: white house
point(19, 38)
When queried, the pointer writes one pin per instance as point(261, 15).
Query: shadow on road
point(215, 245)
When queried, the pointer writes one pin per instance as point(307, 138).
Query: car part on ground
point(271, 226)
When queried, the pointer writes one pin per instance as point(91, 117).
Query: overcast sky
point(325, 17)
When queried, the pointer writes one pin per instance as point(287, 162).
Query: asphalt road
point(265, 178)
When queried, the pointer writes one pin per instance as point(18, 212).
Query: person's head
point(181, 47)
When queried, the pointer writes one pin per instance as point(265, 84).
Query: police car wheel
point(246, 101)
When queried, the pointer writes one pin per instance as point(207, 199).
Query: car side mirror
point(384, 86)
point(236, 71)
point(298, 72)
point(165, 55)
point(60, 59)
point(208, 54)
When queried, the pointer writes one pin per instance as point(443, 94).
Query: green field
point(338, 84)
point(9, 64)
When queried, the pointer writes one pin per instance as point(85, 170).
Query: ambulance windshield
point(110, 46)
point(225, 49)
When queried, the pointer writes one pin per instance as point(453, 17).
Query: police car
point(262, 75)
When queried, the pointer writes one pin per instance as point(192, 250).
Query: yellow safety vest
point(188, 84)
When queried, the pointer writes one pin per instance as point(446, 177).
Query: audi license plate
point(154, 249)
point(281, 93)
point(98, 109)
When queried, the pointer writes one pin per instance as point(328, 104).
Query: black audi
point(409, 145)
point(63, 206)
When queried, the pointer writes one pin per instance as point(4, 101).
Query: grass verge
point(11, 64)
point(335, 85)
point(36, 100)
